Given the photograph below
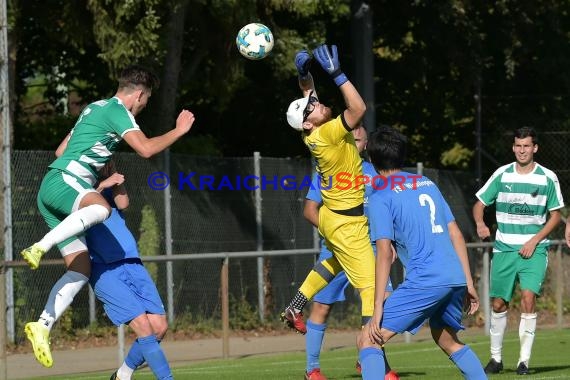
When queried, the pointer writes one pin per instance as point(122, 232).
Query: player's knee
point(102, 211)
point(160, 327)
point(362, 341)
point(499, 305)
point(141, 326)
point(320, 312)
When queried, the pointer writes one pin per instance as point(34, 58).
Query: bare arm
point(311, 212)
point(62, 145)
point(461, 249)
point(116, 183)
point(528, 248)
point(148, 147)
point(384, 259)
point(121, 197)
point(355, 106)
point(482, 230)
point(382, 273)
point(329, 61)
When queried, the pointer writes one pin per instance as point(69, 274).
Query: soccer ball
point(254, 41)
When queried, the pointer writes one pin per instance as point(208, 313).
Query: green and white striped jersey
point(522, 204)
point(94, 138)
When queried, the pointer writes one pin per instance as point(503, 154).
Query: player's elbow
point(362, 108)
point(122, 203)
point(359, 109)
point(145, 152)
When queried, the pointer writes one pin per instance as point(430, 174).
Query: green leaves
point(125, 31)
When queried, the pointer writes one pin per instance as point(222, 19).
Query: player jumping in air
point(67, 199)
point(341, 217)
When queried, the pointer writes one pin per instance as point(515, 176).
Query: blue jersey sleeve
point(314, 193)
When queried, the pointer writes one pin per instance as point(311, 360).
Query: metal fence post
point(259, 237)
point(224, 284)
point(6, 172)
point(486, 284)
point(3, 361)
point(121, 344)
point(559, 286)
point(92, 314)
point(168, 241)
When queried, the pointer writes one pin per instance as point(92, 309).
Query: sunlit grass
point(417, 360)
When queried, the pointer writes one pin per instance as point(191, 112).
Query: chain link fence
point(210, 206)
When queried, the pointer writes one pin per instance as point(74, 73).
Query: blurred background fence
point(270, 246)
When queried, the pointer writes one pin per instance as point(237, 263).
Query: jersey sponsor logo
point(520, 209)
point(509, 187)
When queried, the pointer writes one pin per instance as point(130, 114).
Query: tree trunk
point(165, 110)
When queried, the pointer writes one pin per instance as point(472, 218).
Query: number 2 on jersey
point(424, 198)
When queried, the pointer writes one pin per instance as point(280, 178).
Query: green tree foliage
point(125, 31)
point(429, 59)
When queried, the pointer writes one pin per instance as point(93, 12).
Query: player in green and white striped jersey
point(67, 199)
point(524, 193)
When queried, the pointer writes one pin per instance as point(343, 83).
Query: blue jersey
point(411, 211)
point(111, 241)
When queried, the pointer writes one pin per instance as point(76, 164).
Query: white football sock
point(75, 223)
point(125, 372)
point(61, 296)
point(497, 331)
point(527, 328)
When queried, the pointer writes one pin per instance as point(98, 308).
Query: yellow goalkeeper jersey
point(338, 164)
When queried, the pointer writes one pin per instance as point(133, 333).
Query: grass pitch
point(417, 360)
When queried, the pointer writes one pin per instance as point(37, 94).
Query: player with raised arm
point(410, 212)
point(334, 292)
point(341, 217)
point(67, 199)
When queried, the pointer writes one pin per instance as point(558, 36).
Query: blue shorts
point(334, 291)
point(408, 308)
point(126, 290)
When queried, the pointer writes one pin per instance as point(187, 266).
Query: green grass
point(417, 360)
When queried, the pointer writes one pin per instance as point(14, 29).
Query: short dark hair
point(525, 132)
point(387, 148)
point(135, 75)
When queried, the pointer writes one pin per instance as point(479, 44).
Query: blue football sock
point(314, 342)
point(372, 363)
point(468, 363)
point(135, 356)
point(155, 357)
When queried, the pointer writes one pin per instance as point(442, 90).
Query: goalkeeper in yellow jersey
point(341, 217)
